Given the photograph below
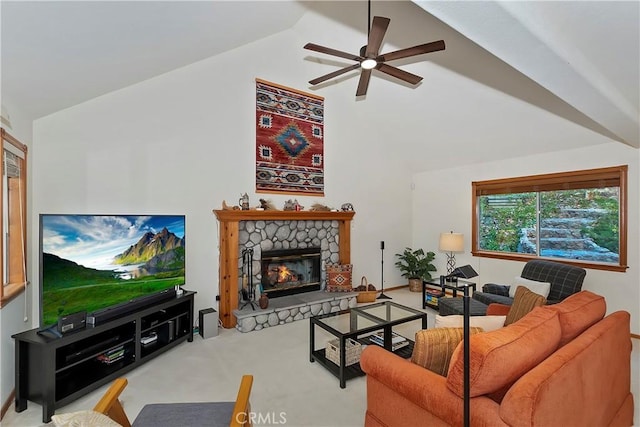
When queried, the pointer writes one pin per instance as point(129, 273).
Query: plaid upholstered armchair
point(565, 280)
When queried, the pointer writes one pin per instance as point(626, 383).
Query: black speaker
point(208, 323)
point(72, 322)
point(172, 330)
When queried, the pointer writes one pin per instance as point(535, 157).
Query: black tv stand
point(55, 371)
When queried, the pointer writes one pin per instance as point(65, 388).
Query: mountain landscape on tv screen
point(160, 246)
point(156, 261)
point(153, 254)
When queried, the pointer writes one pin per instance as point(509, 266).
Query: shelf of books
point(112, 355)
point(432, 296)
point(400, 345)
point(397, 341)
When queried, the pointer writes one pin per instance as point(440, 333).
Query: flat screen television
point(92, 263)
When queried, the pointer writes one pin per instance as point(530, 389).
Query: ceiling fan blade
point(400, 74)
point(363, 84)
point(334, 52)
point(334, 74)
point(378, 30)
point(412, 51)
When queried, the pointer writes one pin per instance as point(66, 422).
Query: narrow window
point(14, 213)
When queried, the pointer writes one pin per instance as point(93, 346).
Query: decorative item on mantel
point(267, 205)
point(244, 202)
point(226, 207)
point(292, 205)
point(347, 207)
point(318, 207)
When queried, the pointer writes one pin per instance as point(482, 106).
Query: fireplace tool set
point(247, 292)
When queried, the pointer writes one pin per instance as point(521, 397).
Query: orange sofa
point(560, 365)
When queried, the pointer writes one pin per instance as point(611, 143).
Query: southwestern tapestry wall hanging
point(289, 140)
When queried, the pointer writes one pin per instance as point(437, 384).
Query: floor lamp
point(451, 243)
point(466, 271)
point(466, 354)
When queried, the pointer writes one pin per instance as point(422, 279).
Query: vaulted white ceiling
point(587, 53)
point(58, 54)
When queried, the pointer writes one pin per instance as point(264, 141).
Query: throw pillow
point(433, 347)
point(540, 288)
point(523, 302)
point(83, 419)
point(339, 277)
point(487, 323)
point(499, 358)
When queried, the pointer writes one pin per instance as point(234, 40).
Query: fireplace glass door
point(290, 271)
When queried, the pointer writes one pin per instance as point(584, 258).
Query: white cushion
point(540, 288)
point(487, 323)
point(83, 419)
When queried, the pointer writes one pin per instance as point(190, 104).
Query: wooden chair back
point(111, 406)
point(242, 409)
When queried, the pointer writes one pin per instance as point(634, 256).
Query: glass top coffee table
point(359, 324)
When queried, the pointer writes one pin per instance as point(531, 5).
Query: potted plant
point(415, 266)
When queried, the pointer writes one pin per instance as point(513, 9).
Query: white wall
point(183, 142)
point(442, 201)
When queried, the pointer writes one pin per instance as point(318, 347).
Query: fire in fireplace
point(290, 271)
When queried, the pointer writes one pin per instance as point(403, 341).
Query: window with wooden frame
point(577, 217)
point(13, 228)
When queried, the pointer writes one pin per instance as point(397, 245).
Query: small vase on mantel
point(263, 302)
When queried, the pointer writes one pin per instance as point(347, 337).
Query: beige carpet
point(288, 390)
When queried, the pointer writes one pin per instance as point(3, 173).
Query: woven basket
point(366, 296)
point(354, 349)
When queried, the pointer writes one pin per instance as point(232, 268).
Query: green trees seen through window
point(575, 216)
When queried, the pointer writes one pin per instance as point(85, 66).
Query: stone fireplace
point(275, 231)
point(288, 256)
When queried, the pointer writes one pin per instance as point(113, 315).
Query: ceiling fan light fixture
point(370, 57)
point(368, 64)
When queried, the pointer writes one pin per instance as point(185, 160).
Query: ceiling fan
point(370, 58)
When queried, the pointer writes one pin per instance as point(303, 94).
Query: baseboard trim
point(6, 405)
point(636, 336)
point(395, 287)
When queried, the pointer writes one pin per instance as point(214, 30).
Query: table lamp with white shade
point(451, 243)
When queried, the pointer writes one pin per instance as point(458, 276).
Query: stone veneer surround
point(229, 253)
point(275, 235)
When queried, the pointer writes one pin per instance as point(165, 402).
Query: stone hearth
point(293, 307)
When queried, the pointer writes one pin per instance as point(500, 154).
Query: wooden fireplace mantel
point(229, 251)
